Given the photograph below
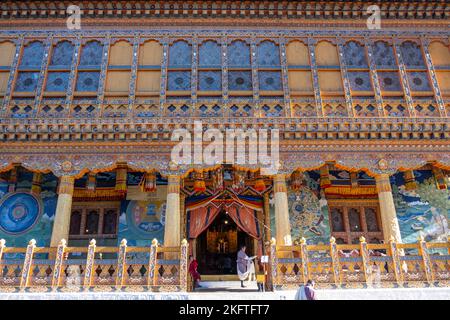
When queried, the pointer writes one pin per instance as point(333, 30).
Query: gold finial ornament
point(154, 242)
point(362, 239)
point(92, 242)
point(32, 242)
point(303, 240)
point(332, 240)
point(273, 241)
point(123, 242)
point(2, 242)
point(184, 242)
point(63, 242)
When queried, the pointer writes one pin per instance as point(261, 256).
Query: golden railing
point(93, 268)
point(361, 265)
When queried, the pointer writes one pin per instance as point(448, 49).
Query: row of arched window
point(237, 56)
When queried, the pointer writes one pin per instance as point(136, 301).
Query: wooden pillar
point(36, 184)
point(389, 220)
point(61, 223)
point(172, 226)
point(266, 228)
point(282, 223)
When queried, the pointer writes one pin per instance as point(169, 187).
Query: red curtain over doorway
point(245, 218)
point(200, 219)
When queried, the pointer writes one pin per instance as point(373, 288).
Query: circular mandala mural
point(19, 212)
point(145, 217)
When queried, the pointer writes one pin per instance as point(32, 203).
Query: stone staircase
point(225, 283)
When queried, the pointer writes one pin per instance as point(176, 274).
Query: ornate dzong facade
point(86, 119)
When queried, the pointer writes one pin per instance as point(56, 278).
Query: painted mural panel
point(308, 212)
point(25, 216)
point(142, 214)
point(424, 210)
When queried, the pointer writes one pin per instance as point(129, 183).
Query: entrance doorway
point(217, 246)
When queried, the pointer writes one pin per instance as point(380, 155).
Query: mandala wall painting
point(19, 212)
point(142, 221)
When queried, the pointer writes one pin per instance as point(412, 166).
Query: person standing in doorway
point(193, 265)
point(242, 262)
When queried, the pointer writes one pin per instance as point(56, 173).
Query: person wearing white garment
point(243, 264)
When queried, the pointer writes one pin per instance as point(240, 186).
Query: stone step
point(227, 286)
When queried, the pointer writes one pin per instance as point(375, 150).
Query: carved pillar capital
point(66, 185)
point(173, 184)
point(383, 183)
point(279, 183)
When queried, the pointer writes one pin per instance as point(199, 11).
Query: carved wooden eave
point(77, 159)
point(246, 13)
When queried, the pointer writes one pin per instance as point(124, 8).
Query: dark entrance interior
point(218, 245)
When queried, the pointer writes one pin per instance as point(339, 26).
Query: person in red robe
point(193, 265)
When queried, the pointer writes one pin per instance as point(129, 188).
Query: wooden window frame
point(101, 208)
point(345, 205)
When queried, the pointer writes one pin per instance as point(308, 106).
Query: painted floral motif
point(411, 54)
point(91, 54)
point(180, 54)
point(238, 54)
point(355, 55)
point(268, 54)
point(209, 54)
point(33, 55)
point(62, 54)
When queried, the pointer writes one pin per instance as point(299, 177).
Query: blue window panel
point(240, 80)
point(33, 55)
point(179, 81)
point(210, 81)
point(270, 80)
point(62, 54)
point(411, 54)
point(209, 54)
point(389, 81)
point(87, 81)
point(26, 81)
point(57, 81)
point(383, 54)
point(360, 81)
point(91, 55)
point(180, 54)
point(268, 54)
point(355, 55)
point(418, 81)
point(239, 54)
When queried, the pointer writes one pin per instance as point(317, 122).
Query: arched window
point(299, 75)
point(149, 68)
point(59, 68)
point(440, 55)
point(210, 73)
point(412, 54)
point(91, 55)
point(355, 55)
point(33, 55)
point(180, 54)
point(7, 52)
point(62, 54)
point(239, 54)
point(209, 54)
point(239, 63)
point(268, 54)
